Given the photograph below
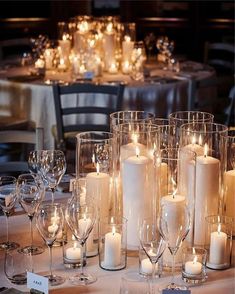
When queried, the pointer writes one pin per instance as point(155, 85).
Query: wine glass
point(49, 221)
point(153, 245)
point(174, 225)
point(81, 220)
point(8, 198)
point(30, 193)
point(52, 166)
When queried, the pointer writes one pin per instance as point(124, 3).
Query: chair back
point(18, 136)
point(220, 55)
point(85, 107)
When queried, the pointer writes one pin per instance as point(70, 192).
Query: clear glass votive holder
point(219, 241)
point(145, 265)
point(194, 265)
point(72, 253)
point(112, 243)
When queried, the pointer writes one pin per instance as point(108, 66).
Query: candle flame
point(195, 259)
point(219, 228)
point(83, 27)
point(62, 61)
point(200, 140)
point(93, 158)
point(194, 251)
point(97, 168)
point(109, 27)
point(112, 220)
point(193, 140)
point(64, 38)
point(75, 245)
point(127, 38)
point(113, 230)
point(137, 151)
point(205, 150)
point(134, 138)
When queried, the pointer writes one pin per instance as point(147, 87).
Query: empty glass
point(8, 197)
point(30, 196)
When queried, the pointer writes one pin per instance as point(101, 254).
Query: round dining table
point(30, 97)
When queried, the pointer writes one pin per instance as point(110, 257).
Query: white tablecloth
point(34, 99)
point(107, 281)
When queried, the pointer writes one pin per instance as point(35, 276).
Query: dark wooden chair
point(32, 138)
point(92, 113)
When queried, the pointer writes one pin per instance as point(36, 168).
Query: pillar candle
point(218, 245)
point(112, 249)
point(229, 193)
point(137, 179)
point(127, 48)
point(207, 194)
point(109, 45)
point(97, 186)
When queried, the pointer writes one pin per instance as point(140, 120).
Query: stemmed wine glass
point(8, 198)
point(153, 245)
point(174, 225)
point(52, 166)
point(50, 220)
point(31, 193)
point(81, 220)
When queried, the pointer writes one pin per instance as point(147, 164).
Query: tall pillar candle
point(207, 194)
point(97, 186)
point(137, 179)
point(127, 48)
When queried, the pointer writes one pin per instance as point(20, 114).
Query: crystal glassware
point(52, 166)
point(8, 198)
point(81, 220)
point(153, 244)
point(174, 225)
point(31, 193)
point(50, 220)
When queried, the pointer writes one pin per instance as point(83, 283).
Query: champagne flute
point(30, 193)
point(174, 225)
point(8, 198)
point(52, 166)
point(49, 220)
point(81, 220)
point(153, 245)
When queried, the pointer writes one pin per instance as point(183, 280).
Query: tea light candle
point(73, 253)
point(49, 58)
point(113, 68)
point(126, 67)
point(218, 244)
point(62, 65)
point(207, 193)
point(97, 185)
point(65, 46)
point(193, 267)
point(146, 266)
point(53, 229)
point(112, 248)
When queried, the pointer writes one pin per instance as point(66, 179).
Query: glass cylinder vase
point(205, 139)
point(176, 168)
point(135, 178)
point(228, 175)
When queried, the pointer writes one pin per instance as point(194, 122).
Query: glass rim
point(109, 134)
point(151, 127)
point(207, 114)
point(196, 248)
point(219, 219)
point(132, 111)
point(224, 128)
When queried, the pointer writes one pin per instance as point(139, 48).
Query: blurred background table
point(25, 96)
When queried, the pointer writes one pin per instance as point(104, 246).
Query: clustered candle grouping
point(88, 46)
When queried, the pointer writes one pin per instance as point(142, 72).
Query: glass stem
point(153, 277)
point(7, 229)
point(31, 229)
point(82, 258)
point(50, 258)
point(173, 270)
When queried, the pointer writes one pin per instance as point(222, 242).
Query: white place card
point(37, 282)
